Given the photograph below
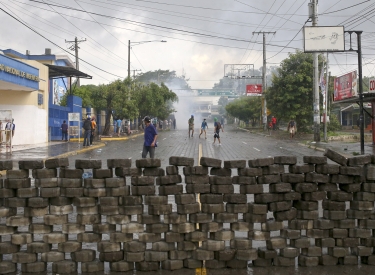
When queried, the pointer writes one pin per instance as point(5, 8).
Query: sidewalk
point(55, 149)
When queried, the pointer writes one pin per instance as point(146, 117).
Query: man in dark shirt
point(64, 131)
point(150, 138)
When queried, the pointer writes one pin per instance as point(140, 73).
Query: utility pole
point(75, 48)
point(325, 102)
point(264, 81)
point(129, 59)
point(316, 106)
point(134, 72)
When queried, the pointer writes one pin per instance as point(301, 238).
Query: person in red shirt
point(273, 120)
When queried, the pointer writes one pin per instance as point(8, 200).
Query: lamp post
point(138, 43)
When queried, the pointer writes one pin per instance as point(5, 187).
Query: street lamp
point(138, 43)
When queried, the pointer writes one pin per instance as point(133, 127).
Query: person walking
point(87, 134)
point(222, 122)
point(174, 124)
point(292, 128)
point(150, 137)
point(118, 125)
point(64, 131)
point(93, 128)
point(191, 125)
point(274, 121)
point(217, 127)
point(203, 128)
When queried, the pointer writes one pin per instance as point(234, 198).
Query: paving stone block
point(271, 225)
point(291, 196)
point(257, 235)
point(171, 170)
point(235, 198)
point(39, 228)
point(362, 205)
point(338, 252)
point(88, 219)
point(317, 178)
point(370, 260)
point(8, 248)
point(187, 246)
point(241, 226)
point(213, 245)
point(262, 262)
point(336, 157)
point(128, 172)
point(188, 208)
point(55, 238)
point(192, 263)
point(157, 228)
point(147, 266)
point(181, 161)
point(70, 173)
point(266, 198)
point(142, 181)
point(179, 255)
point(339, 196)
point(334, 215)
point(17, 174)
point(250, 172)
point(159, 200)
point(314, 196)
point(21, 238)
point(230, 164)
point(366, 224)
point(39, 267)
point(155, 172)
point(155, 256)
point(172, 237)
point(226, 254)
point(117, 237)
point(6, 165)
point(172, 264)
point(195, 170)
point(198, 188)
point(212, 208)
point(142, 190)
point(88, 164)
point(305, 187)
point(251, 189)
point(362, 251)
point(282, 187)
point(89, 237)
point(174, 218)
point(315, 159)
point(224, 235)
point(223, 189)
point(289, 252)
point(92, 267)
point(268, 179)
point(360, 233)
point(84, 202)
point(168, 180)
point(225, 217)
point(331, 169)
point(246, 254)
point(276, 243)
point(279, 206)
point(359, 160)
point(212, 198)
point(338, 233)
point(17, 183)
point(353, 171)
point(323, 224)
point(215, 264)
point(7, 211)
point(328, 260)
point(16, 202)
point(302, 242)
point(35, 212)
point(220, 180)
point(56, 163)
point(131, 209)
point(327, 187)
point(30, 164)
point(236, 207)
point(52, 256)
point(260, 162)
point(44, 173)
point(121, 266)
point(115, 163)
point(197, 179)
point(347, 242)
point(317, 233)
point(202, 255)
point(196, 236)
point(364, 196)
point(84, 255)
point(171, 190)
point(210, 162)
point(274, 169)
point(284, 261)
point(27, 192)
point(242, 180)
point(301, 169)
point(95, 192)
point(307, 215)
point(68, 247)
point(290, 233)
point(222, 172)
point(285, 160)
point(118, 219)
point(64, 266)
point(102, 173)
point(200, 218)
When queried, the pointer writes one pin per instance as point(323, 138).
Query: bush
point(334, 124)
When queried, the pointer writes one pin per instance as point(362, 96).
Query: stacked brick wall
point(271, 212)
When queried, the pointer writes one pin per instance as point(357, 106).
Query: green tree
point(223, 101)
point(290, 95)
point(108, 97)
point(84, 92)
point(169, 78)
point(154, 100)
point(245, 108)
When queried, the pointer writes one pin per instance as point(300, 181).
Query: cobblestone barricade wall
point(143, 217)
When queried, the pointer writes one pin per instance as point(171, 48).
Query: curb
point(79, 151)
point(312, 147)
point(120, 138)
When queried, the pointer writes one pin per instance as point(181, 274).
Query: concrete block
point(289, 252)
point(188, 208)
point(88, 164)
point(359, 160)
point(305, 187)
point(198, 188)
point(202, 255)
point(308, 261)
point(192, 263)
point(338, 252)
point(317, 178)
point(213, 245)
point(236, 264)
point(172, 237)
point(36, 267)
point(328, 260)
point(121, 266)
point(282, 187)
point(128, 171)
point(84, 255)
point(68, 247)
point(284, 261)
point(251, 189)
point(181, 161)
point(314, 196)
point(257, 235)
point(240, 243)
point(30, 164)
point(17, 174)
point(214, 264)
point(230, 164)
point(115, 256)
point(155, 256)
point(243, 180)
point(44, 173)
point(171, 190)
point(147, 266)
point(223, 189)
point(102, 173)
point(92, 267)
point(197, 179)
point(250, 172)
point(89, 237)
point(154, 172)
point(301, 169)
point(221, 172)
point(9, 248)
point(196, 236)
point(220, 180)
point(64, 266)
point(339, 196)
point(268, 179)
point(246, 254)
point(157, 228)
point(279, 206)
point(56, 163)
point(114, 163)
point(6, 165)
point(276, 243)
point(325, 242)
point(52, 256)
point(70, 173)
point(18, 183)
point(302, 242)
point(327, 169)
point(334, 205)
point(225, 255)
point(260, 162)
point(172, 264)
point(183, 227)
point(290, 233)
point(169, 179)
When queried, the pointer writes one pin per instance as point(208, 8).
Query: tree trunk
point(107, 125)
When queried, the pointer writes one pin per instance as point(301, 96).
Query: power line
point(58, 45)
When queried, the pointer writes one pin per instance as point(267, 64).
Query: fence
point(144, 218)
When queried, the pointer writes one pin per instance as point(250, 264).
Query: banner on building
point(58, 91)
point(345, 86)
point(254, 90)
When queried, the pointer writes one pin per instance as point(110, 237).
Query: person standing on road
point(174, 124)
point(217, 127)
point(93, 128)
point(64, 131)
point(292, 127)
point(150, 137)
point(87, 134)
point(10, 128)
point(203, 128)
point(191, 125)
point(118, 124)
point(274, 121)
point(222, 122)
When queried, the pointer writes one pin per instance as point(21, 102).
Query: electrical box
point(311, 9)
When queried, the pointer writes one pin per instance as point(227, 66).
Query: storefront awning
point(62, 71)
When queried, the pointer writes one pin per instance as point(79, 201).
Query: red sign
point(345, 86)
point(254, 90)
point(372, 84)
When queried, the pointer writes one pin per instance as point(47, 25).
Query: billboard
point(324, 39)
point(254, 90)
point(345, 86)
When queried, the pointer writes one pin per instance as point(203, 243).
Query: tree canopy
point(245, 108)
point(290, 95)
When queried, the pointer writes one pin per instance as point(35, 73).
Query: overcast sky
point(202, 36)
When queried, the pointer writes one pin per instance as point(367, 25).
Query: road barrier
point(143, 217)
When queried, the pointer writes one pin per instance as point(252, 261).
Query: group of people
point(217, 127)
point(89, 125)
point(164, 124)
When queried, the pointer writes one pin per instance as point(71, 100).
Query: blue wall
point(15, 79)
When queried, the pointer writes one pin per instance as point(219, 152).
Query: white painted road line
point(244, 142)
point(256, 149)
point(164, 138)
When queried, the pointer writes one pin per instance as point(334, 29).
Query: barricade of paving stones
point(130, 206)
